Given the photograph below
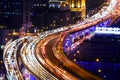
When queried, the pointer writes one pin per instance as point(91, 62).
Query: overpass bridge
point(43, 55)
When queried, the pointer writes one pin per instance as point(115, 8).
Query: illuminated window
point(5, 6)
point(34, 4)
point(7, 12)
point(37, 4)
point(13, 12)
point(6, 16)
point(44, 4)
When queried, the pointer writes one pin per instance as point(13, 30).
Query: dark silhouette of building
point(11, 12)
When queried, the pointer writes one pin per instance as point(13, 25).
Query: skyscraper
point(11, 12)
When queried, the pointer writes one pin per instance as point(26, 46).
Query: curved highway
point(44, 55)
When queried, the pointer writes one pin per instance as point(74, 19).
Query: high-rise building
point(26, 15)
point(77, 5)
point(11, 12)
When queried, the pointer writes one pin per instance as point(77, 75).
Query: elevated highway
point(44, 55)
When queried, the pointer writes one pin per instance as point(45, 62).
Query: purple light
point(32, 77)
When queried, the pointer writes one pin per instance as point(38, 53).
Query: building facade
point(11, 12)
point(77, 5)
